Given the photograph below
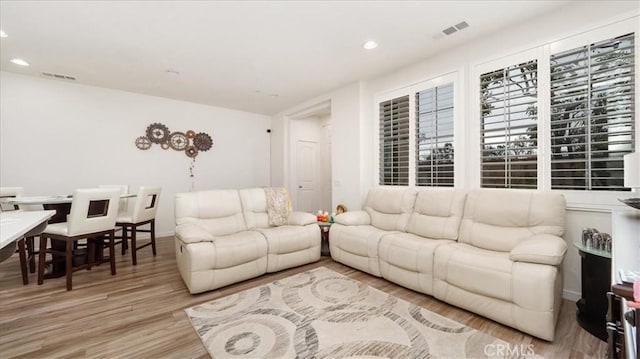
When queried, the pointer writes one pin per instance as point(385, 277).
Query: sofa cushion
point(229, 251)
point(475, 270)
point(437, 213)
point(407, 259)
point(500, 219)
point(217, 211)
point(390, 207)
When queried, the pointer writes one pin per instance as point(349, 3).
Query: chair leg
point(91, 251)
point(124, 241)
point(31, 254)
point(134, 246)
point(22, 252)
point(69, 263)
point(42, 252)
point(153, 236)
point(112, 252)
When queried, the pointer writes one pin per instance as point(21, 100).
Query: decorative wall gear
point(202, 141)
point(191, 151)
point(158, 133)
point(143, 143)
point(178, 141)
point(190, 142)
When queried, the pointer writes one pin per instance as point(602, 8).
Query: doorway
point(310, 160)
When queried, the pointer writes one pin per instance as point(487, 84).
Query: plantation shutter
point(394, 141)
point(434, 136)
point(509, 131)
point(592, 114)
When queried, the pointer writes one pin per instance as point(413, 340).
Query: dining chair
point(10, 192)
point(93, 215)
point(122, 208)
point(124, 202)
point(142, 213)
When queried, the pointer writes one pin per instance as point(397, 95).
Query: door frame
point(320, 108)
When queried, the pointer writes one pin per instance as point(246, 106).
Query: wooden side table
point(324, 236)
point(596, 282)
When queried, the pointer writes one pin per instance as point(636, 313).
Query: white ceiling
point(238, 54)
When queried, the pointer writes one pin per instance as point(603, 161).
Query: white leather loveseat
point(224, 236)
point(497, 253)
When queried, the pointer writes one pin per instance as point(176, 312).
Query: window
point(509, 130)
point(434, 136)
point(592, 114)
point(394, 141)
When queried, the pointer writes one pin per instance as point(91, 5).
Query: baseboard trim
point(571, 295)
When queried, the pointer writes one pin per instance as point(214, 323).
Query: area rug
point(323, 314)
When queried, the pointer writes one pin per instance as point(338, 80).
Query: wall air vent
point(59, 76)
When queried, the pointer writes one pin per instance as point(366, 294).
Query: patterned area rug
point(323, 314)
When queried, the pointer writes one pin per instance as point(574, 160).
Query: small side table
point(596, 282)
point(324, 236)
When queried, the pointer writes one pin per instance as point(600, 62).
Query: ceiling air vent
point(459, 26)
point(450, 30)
point(462, 25)
point(59, 76)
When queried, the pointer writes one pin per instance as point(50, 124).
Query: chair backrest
point(499, 219)
point(10, 192)
point(124, 202)
point(390, 207)
point(217, 211)
point(93, 210)
point(146, 204)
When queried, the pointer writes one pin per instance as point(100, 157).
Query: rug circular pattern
point(320, 313)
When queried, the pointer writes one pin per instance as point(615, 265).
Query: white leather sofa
point(497, 253)
point(223, 237)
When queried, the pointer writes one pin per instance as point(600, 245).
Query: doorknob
point(300, 186)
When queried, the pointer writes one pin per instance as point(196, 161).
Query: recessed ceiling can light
point(3, 34)
point(20, 62)
point(370, 45)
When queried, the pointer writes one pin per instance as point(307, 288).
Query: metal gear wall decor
point(189, 142)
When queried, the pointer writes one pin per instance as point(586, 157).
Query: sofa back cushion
point(499, 219)
point(254, 207)
point(437, 213)
point(389, 207)
point(218, 211)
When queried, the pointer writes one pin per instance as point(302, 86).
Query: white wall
point(354, 108)
point(57, 136)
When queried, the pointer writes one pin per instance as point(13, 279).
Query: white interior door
point(307, 175)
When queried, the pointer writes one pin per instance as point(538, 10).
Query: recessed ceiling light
point(20, 62)
point(3, 34)
point(370, 45)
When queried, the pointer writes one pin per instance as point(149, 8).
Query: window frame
point(584, 199)
point(458, 132)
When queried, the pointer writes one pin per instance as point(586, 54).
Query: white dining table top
point(15, 224)
point(32, 200)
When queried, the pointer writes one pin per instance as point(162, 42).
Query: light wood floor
point(139, 312)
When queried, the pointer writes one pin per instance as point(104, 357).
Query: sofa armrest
point(354, 218)
point(192, 233)
point(301, 219)
point(540, 249)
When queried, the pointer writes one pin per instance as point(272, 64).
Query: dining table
point(59, 206)
point(15, 225)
